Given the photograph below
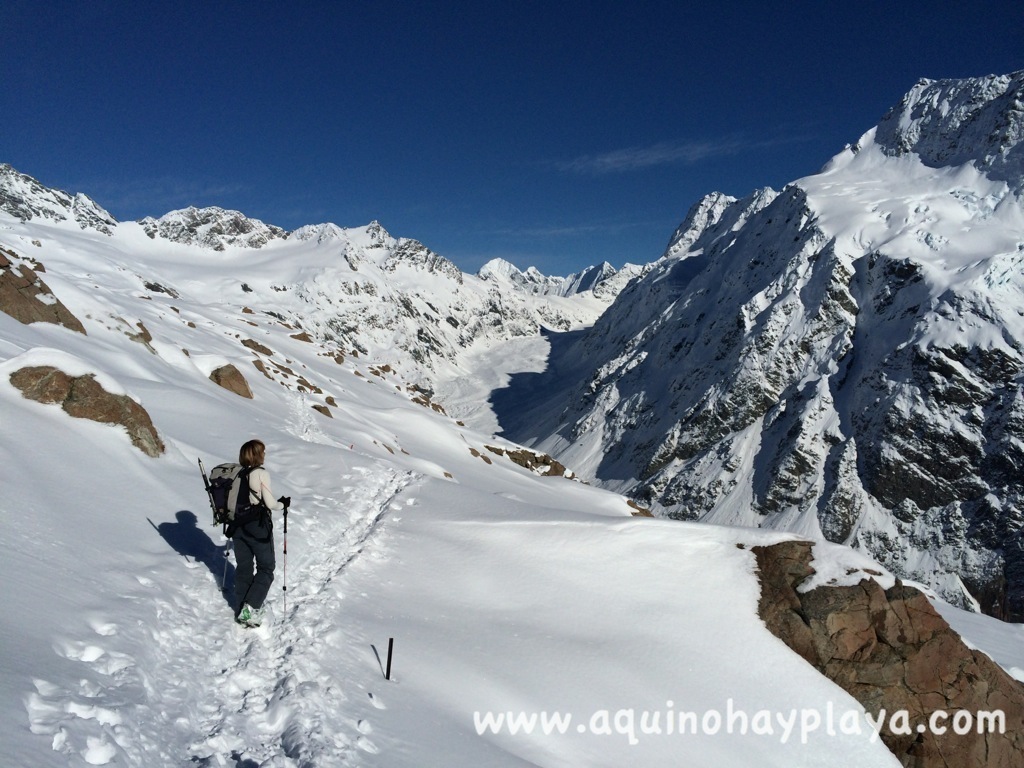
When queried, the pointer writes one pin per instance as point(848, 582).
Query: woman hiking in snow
point(252, 532)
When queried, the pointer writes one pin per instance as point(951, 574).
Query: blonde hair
point(251, 453)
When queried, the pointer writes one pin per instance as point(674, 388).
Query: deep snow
point(504, 591)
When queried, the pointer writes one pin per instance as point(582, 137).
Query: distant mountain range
point(361, 289)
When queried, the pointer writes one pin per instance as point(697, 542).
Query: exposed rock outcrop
point(980, 120)
point(538, 463)
point(892, 651)
point(231, 379)
point(84, 398)
point(212, 227)
point(25, 297)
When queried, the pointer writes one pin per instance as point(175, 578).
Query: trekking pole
point(209, 490)
point(224, 579)
point(285, 586)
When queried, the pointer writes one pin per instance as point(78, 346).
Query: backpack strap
point(247, 471)
point(262, 511)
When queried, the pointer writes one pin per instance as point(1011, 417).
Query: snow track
point(184, 685)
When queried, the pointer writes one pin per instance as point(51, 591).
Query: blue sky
point(554, 134)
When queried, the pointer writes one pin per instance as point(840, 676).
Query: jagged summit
point(955, 122)
point(25, 198)
point(713, 215)
point(603, 280)
point(322, 233)
point(211, 227)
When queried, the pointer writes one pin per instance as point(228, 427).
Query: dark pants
point(250, 588)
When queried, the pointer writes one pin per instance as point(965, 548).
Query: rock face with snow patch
point(955, 122)
point(25, 297)
point(894, 653)
point(843, 358)
point(84, 398)
point(211, 227)
point(25, 198)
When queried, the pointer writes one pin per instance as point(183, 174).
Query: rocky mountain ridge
point(955, 122)
point(603, 280)
point(218, 228)
point(354, 289)
point(843, 359)
point(24, 198)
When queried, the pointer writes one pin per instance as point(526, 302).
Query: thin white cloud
point(663, 153)
point(572, 230)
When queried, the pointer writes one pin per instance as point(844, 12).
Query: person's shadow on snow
point(188, 540)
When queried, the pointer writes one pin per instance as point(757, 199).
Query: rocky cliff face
point(955, 122)
point(843, 358)
point(891, 651)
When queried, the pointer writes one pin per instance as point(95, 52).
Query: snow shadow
point(531, 402)
point(190, 541)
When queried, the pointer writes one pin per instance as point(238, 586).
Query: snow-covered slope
point(509, 593)
point(842, 359)
point(356, 289)
point(505, 590)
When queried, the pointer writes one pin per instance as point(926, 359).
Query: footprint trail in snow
point(188, 687)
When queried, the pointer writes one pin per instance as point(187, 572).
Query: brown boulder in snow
point(231, 379)
point(84, 398)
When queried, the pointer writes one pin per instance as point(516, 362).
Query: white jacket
point(259, 485)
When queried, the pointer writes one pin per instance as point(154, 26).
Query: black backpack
point(219, 487)
point(246, 512)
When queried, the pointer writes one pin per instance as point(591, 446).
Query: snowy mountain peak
point(594, 279)
point(954, 122)
point(603, 280)
point(321, 233)
point(25, 198)
point(211, 227)
point(497, 268)
point(713, 215)
point(378, 235)
point(704, 213)
point(412, 253)
point(532, 280)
